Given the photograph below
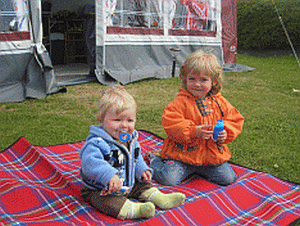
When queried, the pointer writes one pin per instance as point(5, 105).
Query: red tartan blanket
point(40, 186)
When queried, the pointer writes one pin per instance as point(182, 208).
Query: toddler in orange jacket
point(189, 120)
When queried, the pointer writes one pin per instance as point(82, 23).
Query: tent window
point(181, 15)
point(13, 16)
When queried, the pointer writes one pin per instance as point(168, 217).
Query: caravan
point(115, 41)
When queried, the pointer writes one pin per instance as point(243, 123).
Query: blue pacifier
point(124, 137)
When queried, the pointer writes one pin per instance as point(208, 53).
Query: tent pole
point(286, 33)
point(174, 52)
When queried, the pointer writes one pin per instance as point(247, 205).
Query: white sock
point(163, 201)
point(132, 210)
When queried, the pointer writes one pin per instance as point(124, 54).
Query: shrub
point(259, 26)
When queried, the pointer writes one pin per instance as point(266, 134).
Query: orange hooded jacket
point(184, 114)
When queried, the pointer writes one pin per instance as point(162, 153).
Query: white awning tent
point(25, 67)
point(133, 49)
point(127, 40)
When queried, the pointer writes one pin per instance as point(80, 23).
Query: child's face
point(115, 124)
point(198, 84)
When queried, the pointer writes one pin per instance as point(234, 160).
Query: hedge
point(258, 25)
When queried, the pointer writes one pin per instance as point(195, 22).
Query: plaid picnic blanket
point(40, 186)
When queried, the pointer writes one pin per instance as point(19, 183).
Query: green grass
point(269, 142)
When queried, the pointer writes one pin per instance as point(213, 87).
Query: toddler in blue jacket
point(114, 171)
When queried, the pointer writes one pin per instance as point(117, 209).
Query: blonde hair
point(201, 61)
point(117, 97)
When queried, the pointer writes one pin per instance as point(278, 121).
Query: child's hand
point(222, 137)
point(147, 176)
point(115, 184)
point(202, 132)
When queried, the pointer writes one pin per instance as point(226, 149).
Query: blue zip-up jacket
point(102, 157)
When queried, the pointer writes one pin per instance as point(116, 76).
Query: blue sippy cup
point(218, 129)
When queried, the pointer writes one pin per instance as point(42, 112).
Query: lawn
point(269, 141)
